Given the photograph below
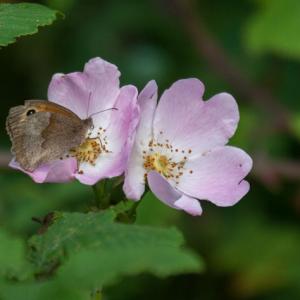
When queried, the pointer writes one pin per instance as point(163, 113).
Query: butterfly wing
point(42, 131)
point(62, 134)
point(25, 134)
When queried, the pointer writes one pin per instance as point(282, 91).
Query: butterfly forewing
point(42, 131)
point(25, 133)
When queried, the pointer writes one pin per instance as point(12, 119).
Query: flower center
point(166, 160)
point(157, 162)
point(88, 151)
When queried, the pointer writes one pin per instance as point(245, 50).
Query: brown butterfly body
point(43, 131)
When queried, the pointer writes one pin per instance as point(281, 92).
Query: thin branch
point(210, 50)
point(271, 172)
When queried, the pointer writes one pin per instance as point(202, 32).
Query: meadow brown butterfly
point(43, 131)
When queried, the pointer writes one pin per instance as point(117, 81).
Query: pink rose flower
point(86, 94)
point(180, 148)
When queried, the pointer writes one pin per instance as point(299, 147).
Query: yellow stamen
point(159, 157)
point(88, 151)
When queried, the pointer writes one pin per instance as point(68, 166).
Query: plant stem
point(103, 191)
point(128, 216)
point(132, 212)
point(102, 194)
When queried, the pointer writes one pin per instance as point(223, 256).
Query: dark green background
point(252, 250)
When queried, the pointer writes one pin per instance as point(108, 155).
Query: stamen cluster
point(165, 159)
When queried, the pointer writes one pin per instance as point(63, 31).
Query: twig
point(209, 49)
point(45, 222)
point(271, 172)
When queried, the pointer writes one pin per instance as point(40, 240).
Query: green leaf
point(99, 267)
point(275, 28)
point(22, 19)
point(100, 250)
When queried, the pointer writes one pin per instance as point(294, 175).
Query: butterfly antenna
point(112, 108)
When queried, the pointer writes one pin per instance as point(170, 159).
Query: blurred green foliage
point(12, 255)
point(275, 28)
point(251, 251)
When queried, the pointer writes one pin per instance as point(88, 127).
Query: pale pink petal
point(87, 92)
point(147, 101)
point(189, 123)
point(171, 197)
point(217, 176)
point(119, 134)
point(103, 83)
point(56, 171)
point(134, 184)
point(162, 189)
point(189, 204)
point(176, 107)
point(124, 120)
point(70, 91)
point(107, 166)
